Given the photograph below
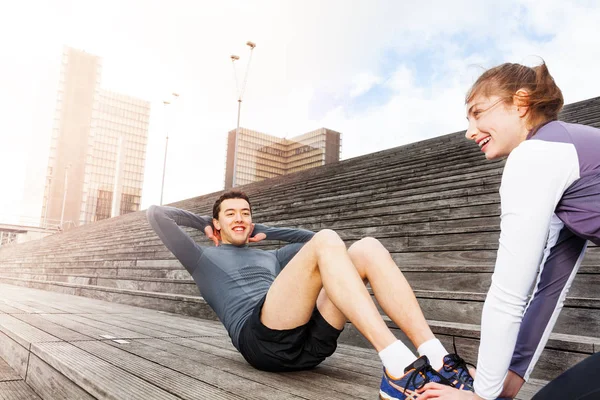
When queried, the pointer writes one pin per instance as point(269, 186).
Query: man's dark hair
point(231, 194)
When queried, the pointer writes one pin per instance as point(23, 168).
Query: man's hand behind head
point(212, 234)
point(256, 238)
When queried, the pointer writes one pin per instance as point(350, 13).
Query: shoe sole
point(385, 396)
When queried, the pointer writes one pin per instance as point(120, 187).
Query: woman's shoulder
point(560, 131)
point(551, 147)
point(553, 131)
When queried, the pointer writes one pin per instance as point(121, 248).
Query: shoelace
point(422, 370)
point(455, 362)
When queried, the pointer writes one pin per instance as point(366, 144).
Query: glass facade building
point(254, 156)
point(98, 147)
point(114, 173)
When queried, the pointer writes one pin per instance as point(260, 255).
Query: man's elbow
point(152, 213)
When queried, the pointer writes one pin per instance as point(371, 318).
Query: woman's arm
point(536, 175)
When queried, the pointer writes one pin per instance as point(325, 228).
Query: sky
point(382, 72)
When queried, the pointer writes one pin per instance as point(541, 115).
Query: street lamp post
point(240, 94)
point(174, 97)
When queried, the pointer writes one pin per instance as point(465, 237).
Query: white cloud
point(401, 79)
point(362, 83)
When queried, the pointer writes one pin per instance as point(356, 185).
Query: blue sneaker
point(455, 370)
point(415, 377)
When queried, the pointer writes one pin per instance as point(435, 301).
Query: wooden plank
point(16, 390)
point(115, 330)
point(332, 367)
point(51, 328)
point(530, 388)
point(584, 285)
point(467, 257)
point(192, 305)
point(14, 354)
point(557, 341)
point(23, 333)
point(447, 281)
point(109, 319)
point(93, 329)
point(182, 304)
point(341, 361)
point(470, 224)
point(169, 354)
point(442, 215)
point(108, 381)
point(197, 326)
point(572, 320)
point(182, 385)
point(456, 257)
point(39, 306)
point(60, 302)
point(154, 329)
point(5, 308)
point(7, 373)
point(50, 384)
point(305, 384)
point(22, 307)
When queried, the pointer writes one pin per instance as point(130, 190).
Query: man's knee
point(327, 238)
point(365, 248)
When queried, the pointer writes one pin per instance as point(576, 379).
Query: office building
point(97, 150)
point(260, 156)
point(114, 173)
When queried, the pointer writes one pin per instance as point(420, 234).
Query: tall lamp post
point(240, 94)
point(174, 96)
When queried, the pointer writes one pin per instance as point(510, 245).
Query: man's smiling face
point(235, 221)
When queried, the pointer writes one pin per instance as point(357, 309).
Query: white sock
point(396, 357)
point(435, 351)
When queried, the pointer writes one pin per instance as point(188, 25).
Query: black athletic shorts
point(294, 349)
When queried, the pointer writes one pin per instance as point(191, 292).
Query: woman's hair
point(544, 99)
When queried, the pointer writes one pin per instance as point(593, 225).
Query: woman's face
point(498, 128)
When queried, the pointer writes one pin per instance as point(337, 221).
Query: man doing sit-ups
point(285, 309)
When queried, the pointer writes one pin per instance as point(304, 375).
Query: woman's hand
point(472, 372)
point(512, 385)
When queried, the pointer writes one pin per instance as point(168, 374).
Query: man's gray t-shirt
point(232, 279)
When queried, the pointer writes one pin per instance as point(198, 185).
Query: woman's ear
point(521, 102)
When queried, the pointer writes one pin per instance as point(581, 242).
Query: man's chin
point(239, 241)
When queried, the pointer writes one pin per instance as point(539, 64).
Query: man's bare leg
point(392, 291)
point(375, 265)
point(324, 263)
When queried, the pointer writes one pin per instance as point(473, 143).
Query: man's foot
point(455, 370)
point(415, 377)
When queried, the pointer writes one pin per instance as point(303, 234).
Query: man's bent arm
point(166, 220)
point(182, 217)
point(290, 235)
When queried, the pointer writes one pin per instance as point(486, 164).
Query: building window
point(103, 206)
